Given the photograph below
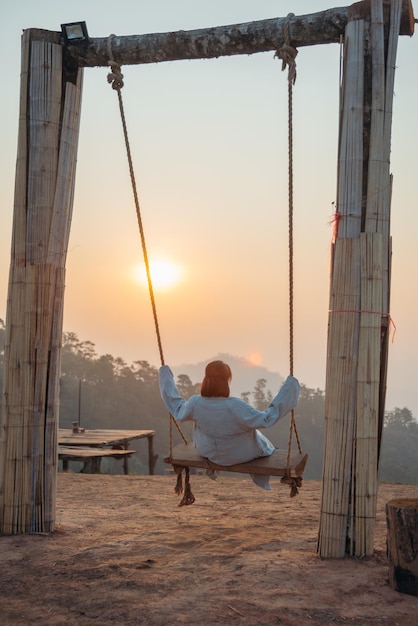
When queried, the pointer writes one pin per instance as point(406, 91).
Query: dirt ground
point(124, 553)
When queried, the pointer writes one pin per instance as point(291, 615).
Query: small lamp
point(75, 32)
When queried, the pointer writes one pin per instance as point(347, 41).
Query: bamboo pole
point(368, 220)
point(371, 382)
point(46, 168)
point(378, 163)
point(364, 466)
point(17, 271)
point(57, 251)
point(64, 193)
point(344, 307)
point(365, 461)
point(350, 158)
point(339, 413)
point(394, 32)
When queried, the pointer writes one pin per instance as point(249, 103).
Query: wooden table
point(113, 439)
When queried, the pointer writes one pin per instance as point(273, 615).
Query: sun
point(165, 274)
point(255, 358)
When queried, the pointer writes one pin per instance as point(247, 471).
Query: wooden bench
point(91, 457)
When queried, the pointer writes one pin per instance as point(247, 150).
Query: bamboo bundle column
point(342, 353)
point(45, 172)
point(368, 221)
point(374, 327)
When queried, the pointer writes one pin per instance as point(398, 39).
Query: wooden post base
point(402, 544)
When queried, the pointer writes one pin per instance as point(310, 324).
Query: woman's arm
point(286, 399)
point(176, 405)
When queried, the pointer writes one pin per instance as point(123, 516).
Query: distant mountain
point(244, 374)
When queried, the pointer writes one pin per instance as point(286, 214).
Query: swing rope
point(115, 78)
point(287, 54)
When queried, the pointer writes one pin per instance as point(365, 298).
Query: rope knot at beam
point(115, 76)
point(288, 53)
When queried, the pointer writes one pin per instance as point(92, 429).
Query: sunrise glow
point(255, 358)
point(165, 274)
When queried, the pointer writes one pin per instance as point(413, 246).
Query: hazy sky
point(209, 143)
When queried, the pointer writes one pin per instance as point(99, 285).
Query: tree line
point(105, 392)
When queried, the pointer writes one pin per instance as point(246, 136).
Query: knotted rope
point(288, 54)
point(188, 497)
point(115, 78)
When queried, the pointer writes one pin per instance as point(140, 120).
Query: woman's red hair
point(215, 384)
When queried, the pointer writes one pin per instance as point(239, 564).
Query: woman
point(225, 428)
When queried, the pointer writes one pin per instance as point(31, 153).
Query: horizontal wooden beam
point(249, 38)
point(207, 43)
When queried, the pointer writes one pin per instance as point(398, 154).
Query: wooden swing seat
point(186, 455)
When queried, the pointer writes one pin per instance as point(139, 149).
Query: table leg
point(125, 460)
point(95, 465)
point(152, 458)
point(91, 466)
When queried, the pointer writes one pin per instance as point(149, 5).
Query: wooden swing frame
point(53, 70)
